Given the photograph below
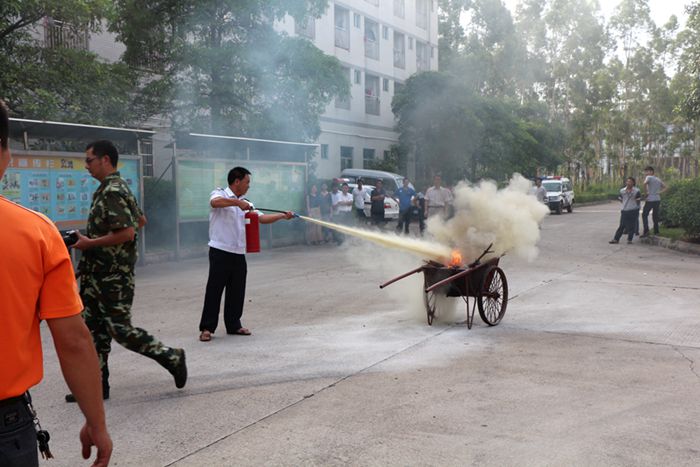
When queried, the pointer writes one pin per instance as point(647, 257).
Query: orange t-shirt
point(36, 282)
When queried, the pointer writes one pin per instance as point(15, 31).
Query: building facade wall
point(365, 36)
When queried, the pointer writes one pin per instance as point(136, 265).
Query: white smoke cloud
point(509, 218)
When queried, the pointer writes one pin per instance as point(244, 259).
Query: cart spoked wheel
point(430, 300)
point(494, 296)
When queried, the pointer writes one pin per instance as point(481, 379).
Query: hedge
point(680, 207)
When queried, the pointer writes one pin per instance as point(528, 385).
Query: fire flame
point(456, 259)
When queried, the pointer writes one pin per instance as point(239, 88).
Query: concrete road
point(593, 364)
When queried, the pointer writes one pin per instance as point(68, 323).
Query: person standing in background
point(404, 196)
point(342, 210)
point(326, 205)
point(653, 187)
point(539, 191)
point(314, 234)
point(438, 199)
point(377, 198)
point(629, 214)
point(37, 283)
point(360, 195)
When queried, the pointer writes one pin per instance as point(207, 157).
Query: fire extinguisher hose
point(276, 210)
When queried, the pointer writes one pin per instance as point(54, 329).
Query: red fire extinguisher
point(252, 232)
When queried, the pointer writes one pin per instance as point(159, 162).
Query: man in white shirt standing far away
point(653, 187)
point(437, 199)
point(539, 191)
point(227, 247)
point(360, 196)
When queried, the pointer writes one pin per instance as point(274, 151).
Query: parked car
point(390, 180)
point(391, 207)
point(560, 193)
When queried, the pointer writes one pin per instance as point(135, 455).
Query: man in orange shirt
point(37, 283)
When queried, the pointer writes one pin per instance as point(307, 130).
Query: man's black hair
point(634, 181)
point(237, 173)
point(649, 168)
point(103, 148)
point(4, 125)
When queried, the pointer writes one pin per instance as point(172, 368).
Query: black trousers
point(652, 206)
point(226, 271)
point(18, 446)
point(404, 220)
point(628, 223)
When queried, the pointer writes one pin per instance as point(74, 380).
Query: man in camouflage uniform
point(107, 269)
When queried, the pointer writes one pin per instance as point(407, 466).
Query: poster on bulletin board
point(59, 186)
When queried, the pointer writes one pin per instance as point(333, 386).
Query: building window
point(371, 94)
point(61, 34)
point(343, 103)
point(398, 87)
point(145, 150)
point(386, 154)
point(358, 77)
point(422, 57)
point(410, 43)
point(324, 151)
point(367, 157)
point(385, 84)
point(357, 20)
point(345, 157)
point(400, 8)
point(385, 32)
point(306, 27)
point(342, 28)
point(422, 14)
point(399, 50)
point(371, 42)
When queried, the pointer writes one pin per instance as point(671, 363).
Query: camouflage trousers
point(107, 299)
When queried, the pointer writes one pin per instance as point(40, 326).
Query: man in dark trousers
point(107, 269)
point(37, 283)
point(227, 247)
point(377, 198)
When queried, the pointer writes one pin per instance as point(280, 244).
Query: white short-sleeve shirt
point(226, 225)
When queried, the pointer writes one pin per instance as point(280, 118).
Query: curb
point(678, 245)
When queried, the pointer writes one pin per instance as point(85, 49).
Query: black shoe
point(644, 235)
point(629, 242)
point(179, 370)
point(613, 241)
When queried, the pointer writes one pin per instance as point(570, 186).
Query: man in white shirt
point(342, 209)
point(539, 191)
point(438, 199)
point(653, 187)
point(360, 196)
point(227, 247)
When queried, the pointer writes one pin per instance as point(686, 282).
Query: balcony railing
point(61, 34)
point(371, 105)
point(342, 38)
point(399, 58)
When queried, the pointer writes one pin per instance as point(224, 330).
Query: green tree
point(61, 83)
point(461, 134)
point(221, 67)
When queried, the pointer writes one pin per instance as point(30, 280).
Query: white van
point(560, 193)
point(391, 181)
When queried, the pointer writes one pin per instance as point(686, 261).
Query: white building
point(380, 43)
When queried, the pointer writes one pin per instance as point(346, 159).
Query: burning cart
point(484, 283)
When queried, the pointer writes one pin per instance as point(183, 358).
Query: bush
point(159, 207)
point(681, 207)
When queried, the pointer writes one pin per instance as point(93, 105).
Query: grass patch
point(674, 233)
